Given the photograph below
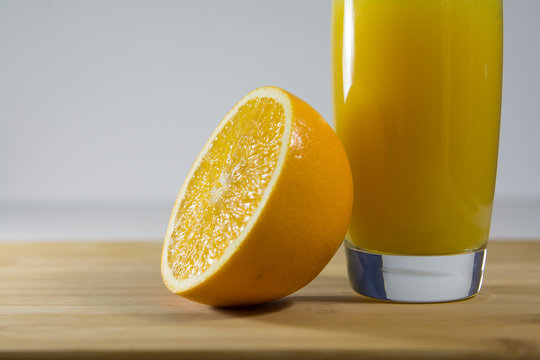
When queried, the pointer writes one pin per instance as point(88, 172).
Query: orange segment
point(264, 207)
point(227, 187)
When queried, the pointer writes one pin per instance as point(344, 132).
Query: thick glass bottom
point(418, 279)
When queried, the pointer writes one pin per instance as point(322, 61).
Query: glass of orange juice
point(417, 97)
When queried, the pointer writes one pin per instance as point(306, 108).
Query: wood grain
point(107, 300)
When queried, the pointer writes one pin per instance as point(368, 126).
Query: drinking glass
point(417, 97)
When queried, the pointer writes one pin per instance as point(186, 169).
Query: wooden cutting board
point(106, 300)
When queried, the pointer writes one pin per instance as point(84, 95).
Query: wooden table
point(88, 300)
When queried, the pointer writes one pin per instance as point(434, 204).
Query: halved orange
point(264, 207)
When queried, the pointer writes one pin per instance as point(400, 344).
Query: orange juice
point(417, 96)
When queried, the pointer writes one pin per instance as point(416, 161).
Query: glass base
point(419, 279)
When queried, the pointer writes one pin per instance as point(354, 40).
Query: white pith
point(171, 281)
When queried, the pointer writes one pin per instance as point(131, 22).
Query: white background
point(105, 104)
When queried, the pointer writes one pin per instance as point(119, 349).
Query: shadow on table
point(283, 304)
point(332, 299)
point(254, 310)
point(321, 293)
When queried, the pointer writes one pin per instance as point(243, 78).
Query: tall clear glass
point(417, 97)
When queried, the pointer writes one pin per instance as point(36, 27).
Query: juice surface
point(417, 96)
